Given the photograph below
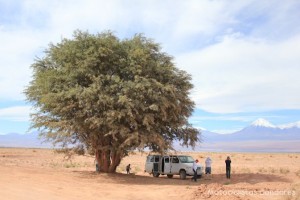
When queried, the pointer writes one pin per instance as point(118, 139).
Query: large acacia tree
point(111, 96)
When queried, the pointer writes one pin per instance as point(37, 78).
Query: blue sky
point(244, 56)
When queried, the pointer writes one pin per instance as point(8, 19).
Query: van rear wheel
point(182, 174)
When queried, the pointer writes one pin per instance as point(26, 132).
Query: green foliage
point(110, 94)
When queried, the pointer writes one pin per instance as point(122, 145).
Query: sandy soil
point(43, 174)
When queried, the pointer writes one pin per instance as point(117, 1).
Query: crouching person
point(128, 169)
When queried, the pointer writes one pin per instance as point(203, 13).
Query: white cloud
point(227, 131)
point(242, 67)
point(15, 113)
point(17, 54)
point(37, 23)
point(242, 74)
point(196, 119)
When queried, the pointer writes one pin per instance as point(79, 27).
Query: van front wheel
point(182, 174)
point(156, 174)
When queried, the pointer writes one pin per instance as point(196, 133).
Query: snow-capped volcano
point(260, 135)
point(262, 123)
point(266, 124)
point(259, 130)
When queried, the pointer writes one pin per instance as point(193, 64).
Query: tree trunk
point(108, 161)
point(115, 161)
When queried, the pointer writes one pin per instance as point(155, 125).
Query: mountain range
point(259, 136)
point(28, 140)
point(260, 130)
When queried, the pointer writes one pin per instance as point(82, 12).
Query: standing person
point(208, 162)
point(128, 169)
point(195, 166)
point(97, 165)
point(228, 166)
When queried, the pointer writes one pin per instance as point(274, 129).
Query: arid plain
point(44, 174)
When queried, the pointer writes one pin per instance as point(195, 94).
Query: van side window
point(175, 160)
point(152, 159)
point(156, 159)
point(167, 160)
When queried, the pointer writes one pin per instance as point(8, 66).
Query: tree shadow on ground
point(120, 178)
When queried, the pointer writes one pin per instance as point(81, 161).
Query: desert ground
point(44, 174)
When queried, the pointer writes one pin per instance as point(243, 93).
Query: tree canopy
point(111, 96)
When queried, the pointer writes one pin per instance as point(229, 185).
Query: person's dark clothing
point(195, 170)
point(195, 175)
point(228, 163)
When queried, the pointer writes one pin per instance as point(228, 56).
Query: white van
point(171, 165)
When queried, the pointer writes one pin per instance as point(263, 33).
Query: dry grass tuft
point(226, 183)
point(298, 173)
point(121, 168)
point(245, 170)
point(284, 170)
point(272, 170)
point(137, 169)
point(262, 170)
point(72, 165)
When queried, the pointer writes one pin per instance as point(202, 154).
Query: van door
point(167, 165)
point(156, 164)
point(149, 164)
point(152, 163)
point(175, 165)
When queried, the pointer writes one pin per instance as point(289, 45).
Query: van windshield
point(186, 159)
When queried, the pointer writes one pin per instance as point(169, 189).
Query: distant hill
point(259, 136)
point(23, 140)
